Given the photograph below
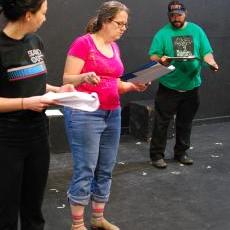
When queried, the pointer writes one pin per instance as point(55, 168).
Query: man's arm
point(209, 59)
point(164, 60)
point(155, 58)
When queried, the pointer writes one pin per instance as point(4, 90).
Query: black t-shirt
point(22, 69)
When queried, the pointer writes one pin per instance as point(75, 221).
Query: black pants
point(24, 163)
point(168, 103)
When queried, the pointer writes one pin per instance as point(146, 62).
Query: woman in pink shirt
point(93, 65)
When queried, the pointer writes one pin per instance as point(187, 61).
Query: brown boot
point(102, 224)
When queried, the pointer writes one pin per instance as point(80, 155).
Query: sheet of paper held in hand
point(77, 100)
point(147, 73)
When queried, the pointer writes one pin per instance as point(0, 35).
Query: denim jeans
point(94, 140)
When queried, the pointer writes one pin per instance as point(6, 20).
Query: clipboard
point(148, 73)
point(182, 58)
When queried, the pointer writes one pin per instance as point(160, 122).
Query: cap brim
point(177, 12)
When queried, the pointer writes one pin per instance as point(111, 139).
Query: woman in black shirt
point(24, 149)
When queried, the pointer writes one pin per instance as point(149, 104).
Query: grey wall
point(67, 18)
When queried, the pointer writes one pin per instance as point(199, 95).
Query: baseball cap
point(176, 7)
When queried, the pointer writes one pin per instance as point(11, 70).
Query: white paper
point(151, 73)
point(77, 100)
point(53, 112)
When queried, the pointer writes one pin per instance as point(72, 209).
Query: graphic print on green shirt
point(183, 46)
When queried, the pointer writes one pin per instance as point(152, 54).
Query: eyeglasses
point(121, 24)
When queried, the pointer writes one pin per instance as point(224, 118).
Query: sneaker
point(160, 164)
point(184, 159)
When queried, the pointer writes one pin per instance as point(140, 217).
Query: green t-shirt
point(187, 41)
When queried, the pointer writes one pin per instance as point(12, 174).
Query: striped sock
point(78, 222)
point(97, 213)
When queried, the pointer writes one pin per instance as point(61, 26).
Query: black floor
point(144, 198)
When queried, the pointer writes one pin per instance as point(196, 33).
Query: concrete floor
point(145, 198)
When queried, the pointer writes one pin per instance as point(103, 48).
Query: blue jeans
point(94, 140)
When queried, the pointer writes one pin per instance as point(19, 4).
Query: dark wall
point(66, 19)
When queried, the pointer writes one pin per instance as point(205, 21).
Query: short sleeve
point(79, 48)
point(156, 45)
point(205, 46)
point(40, 42)
point(41, 47)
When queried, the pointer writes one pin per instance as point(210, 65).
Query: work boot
point(184, 159)
point(160, 164)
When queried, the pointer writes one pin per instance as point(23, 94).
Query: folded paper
point(77, 100)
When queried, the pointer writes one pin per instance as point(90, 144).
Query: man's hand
point(165, 60)
point(213, 66)
point(209, 59)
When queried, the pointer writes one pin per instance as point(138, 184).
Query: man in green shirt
point(186, 46)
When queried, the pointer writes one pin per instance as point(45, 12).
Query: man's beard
point(178, 24)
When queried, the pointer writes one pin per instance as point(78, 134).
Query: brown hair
point(107, 12)
point(15, 9)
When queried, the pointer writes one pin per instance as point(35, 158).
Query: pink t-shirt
point(108, 69)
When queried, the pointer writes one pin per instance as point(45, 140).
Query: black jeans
point(168, 103)
point(24, 164)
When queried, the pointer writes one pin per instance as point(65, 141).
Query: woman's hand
point(36, 103)
point(90, 78)
point(139, 87)
point(124, 87)
point(66, 88)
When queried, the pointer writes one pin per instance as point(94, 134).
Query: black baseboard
point(57, 135)
point(141, 120)
point(140, 126)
